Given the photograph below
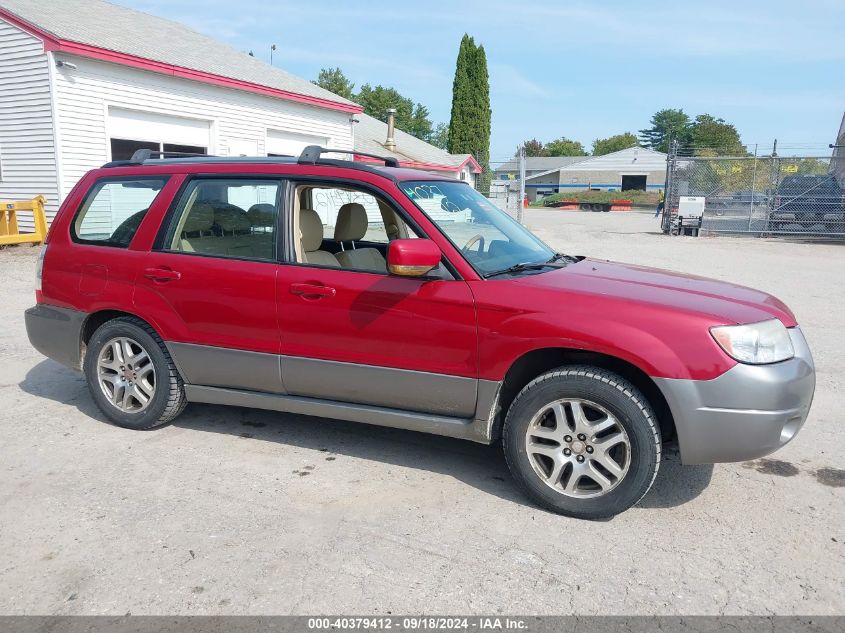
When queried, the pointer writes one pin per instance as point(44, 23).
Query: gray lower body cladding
point(462, 428)
point(455, 406)
point(747, 412)
point(56, 333)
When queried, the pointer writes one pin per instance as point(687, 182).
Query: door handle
point(162, 274)
point(312, 290)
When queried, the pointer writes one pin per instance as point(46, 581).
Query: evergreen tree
point(481, 81)
point(469, 126)
point(665, 125)
point(463, 109)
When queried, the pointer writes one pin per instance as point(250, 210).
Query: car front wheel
point(131, 375)
point(583, 442)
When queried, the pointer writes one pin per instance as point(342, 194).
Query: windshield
point(488, 238)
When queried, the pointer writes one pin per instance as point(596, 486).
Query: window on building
point(113, 210)
point(227, 218)
point(122, 149)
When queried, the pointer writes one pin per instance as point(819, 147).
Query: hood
point(724, 303)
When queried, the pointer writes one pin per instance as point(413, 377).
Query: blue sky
point(578, 69)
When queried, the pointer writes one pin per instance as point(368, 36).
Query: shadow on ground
point(477, 465)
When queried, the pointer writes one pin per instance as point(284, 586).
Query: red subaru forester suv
point(394, 297)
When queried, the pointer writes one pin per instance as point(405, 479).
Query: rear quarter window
point(113, 210)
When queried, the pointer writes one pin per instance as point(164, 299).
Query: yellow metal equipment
point(9, 233)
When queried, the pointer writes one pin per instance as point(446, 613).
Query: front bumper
point(747, 412)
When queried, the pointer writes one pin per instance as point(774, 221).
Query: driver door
point(369, 337)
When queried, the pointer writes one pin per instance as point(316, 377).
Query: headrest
point(231, 220)
point(351, 222)
point(200, 218)
point(311, 230)
point(262, 214)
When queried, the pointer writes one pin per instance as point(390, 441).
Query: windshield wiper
point(558, 260)
point(518, 268)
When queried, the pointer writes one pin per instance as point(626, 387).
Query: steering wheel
point(471, 242)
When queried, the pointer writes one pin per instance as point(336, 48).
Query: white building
point(371, 137)
point(635, 168)
point(85, 82)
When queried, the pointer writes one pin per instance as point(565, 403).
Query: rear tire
point(582, 442)
point(131, 375)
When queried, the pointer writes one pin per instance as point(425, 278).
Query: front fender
point(524, 333)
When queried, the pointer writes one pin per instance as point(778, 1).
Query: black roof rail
point(311, 155)
point(140, 155)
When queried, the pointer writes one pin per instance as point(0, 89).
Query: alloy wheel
point(578, 448)
point(126, 374)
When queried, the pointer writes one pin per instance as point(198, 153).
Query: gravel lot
point(233, 511)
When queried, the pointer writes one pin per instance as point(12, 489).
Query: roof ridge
point(194, 51)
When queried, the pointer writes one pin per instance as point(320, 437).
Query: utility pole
point(753, 188)
point(272, 48)
point(521, 184)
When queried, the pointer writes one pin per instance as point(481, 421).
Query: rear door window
point(227, 217)
point(113, 210)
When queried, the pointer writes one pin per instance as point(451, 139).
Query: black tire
point(621, 399)
point(168, 399)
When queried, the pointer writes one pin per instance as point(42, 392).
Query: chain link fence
point(505, 195)
point(760, 195)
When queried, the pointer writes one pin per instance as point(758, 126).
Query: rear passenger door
point(209, 282)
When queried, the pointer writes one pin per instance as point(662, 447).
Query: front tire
point(131, 375)
point(582, 442)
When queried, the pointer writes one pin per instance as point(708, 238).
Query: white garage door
point(131, 130)
point(291, 143)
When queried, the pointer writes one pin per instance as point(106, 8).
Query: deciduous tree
point(532, 148)
point(333, 80)
point(709, 133)
point(615, 143)
point(410, 117)
point(565, 147)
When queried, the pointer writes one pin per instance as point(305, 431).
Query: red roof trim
point(476, 166)
point(52, 43)
point(26, 26)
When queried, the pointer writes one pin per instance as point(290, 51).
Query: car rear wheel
point(131, 375)
point(583, 442)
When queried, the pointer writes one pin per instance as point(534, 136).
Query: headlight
point(755, 343)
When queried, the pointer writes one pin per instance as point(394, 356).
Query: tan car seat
point(197, 227)
point(311, 238)
point(351, 226)
point(262, 215)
